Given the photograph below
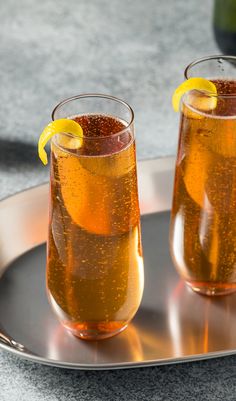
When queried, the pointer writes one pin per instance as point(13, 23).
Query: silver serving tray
point(172, 325)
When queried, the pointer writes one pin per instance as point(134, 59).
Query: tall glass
point(94, 261)
point(203, 222)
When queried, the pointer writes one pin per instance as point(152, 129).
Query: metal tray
point(172, 325)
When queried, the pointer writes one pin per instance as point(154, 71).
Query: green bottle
point(225, 25)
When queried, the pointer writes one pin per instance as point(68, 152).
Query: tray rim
point(167, 164)
point(117, 366)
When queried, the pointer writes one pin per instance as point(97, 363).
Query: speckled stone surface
point(132, 49)
point(213, 380)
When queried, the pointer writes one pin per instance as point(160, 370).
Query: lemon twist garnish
point(200, 84)
point(60, 126)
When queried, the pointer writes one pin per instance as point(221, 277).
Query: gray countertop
point(135, 50)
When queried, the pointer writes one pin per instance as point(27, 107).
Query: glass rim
point(102, 96)
point(207, 58)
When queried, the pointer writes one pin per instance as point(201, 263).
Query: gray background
point(132, 49)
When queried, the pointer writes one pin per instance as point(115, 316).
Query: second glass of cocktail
point(94, 261)
point(203, 222)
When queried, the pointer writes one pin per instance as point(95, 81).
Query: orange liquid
point(203, 224)
point(95, 266)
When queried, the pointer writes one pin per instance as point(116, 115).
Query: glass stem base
point(92, 331)
point(211, 289)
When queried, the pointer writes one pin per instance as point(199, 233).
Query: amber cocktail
point(94, 262)
point(203, 224)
